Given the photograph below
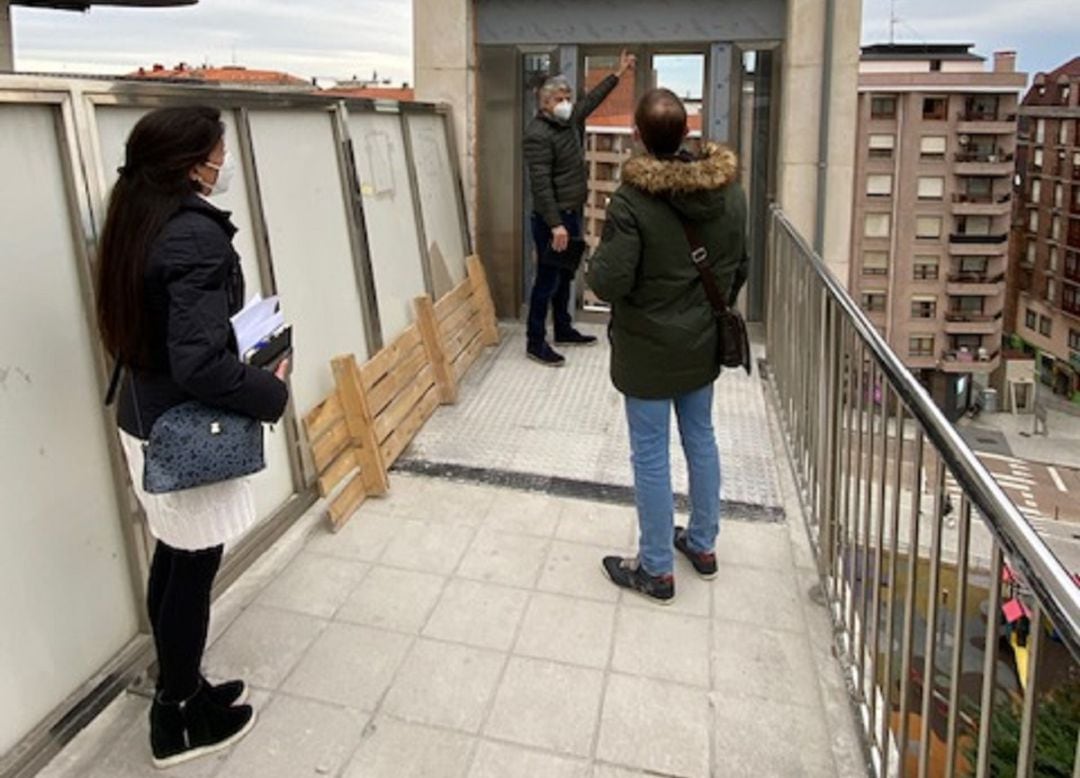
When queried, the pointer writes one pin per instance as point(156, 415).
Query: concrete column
point(800, 123)
point(444, 55)
point(7, 44)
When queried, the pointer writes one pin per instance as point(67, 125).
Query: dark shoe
point(575, 338)
point(545, 355)
point(198, 726)
point(627, 573)
point(225, 694)
point(703, 561)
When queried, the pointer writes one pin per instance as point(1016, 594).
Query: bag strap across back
point(699, 255)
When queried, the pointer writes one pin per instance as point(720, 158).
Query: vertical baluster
point(910, 595)
point(894, 553)
point(931, 617)
point(993, 609)
point(868, 521)
point(1025, 759)
point(959, 636)
point(879, 574)
point(847, 377)
point(855, 516)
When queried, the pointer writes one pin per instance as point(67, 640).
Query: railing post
point(484, 304)
point(361, 424)
point(431, 336)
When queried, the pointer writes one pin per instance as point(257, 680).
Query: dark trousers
point(552, 285)
point(178, 602)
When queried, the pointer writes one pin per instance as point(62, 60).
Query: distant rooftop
point(942, 51)
point(403, 94)
point(84, 5)
point(229, 74)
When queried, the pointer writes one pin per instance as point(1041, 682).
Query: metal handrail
point(1041, 570)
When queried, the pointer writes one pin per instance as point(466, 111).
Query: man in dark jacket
point(663, 332)
point(555, 155)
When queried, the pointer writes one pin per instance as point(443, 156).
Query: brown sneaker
point(704, 562)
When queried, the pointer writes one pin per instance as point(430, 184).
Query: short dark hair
point(661, 121)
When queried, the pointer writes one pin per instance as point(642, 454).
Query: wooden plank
point(449, 326)
point(464, 337)
point(337, 471)
point(379, 365)
point(390, 419)
point(322, 417)
point(396, 443)
point(436, 349)
point(482, 299)
point(361, 426)
point(345, 504)
point(396, 380)
point(326, 449)
point(453, 300)
point(467, 357)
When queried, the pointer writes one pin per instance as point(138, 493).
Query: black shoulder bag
point(733, 349)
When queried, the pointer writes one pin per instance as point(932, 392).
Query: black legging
point(178, 602)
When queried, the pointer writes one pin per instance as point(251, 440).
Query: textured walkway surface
point(516, 416)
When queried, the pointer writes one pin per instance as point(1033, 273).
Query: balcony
point(974, 284)
point(980, 163)
point(965, 361)
point(965, 244)
point(964, 323)
point(981, 204)
point(985, 124)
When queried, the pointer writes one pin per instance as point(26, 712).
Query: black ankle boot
point(195, 727)
point(225, 694)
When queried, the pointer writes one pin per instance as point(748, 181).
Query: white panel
point(273, 486)
point(66, 605)
point(438, 200)
point(309, 241)
point(390, 217)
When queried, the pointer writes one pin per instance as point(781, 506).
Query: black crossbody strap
point(699, 255)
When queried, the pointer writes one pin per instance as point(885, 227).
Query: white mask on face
point(225, 173)
point(564, 109)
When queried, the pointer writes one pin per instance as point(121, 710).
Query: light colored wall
point(800, 123)
point(445, 72)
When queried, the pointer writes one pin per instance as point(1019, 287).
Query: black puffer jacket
point(193, 284)
point(555, 155)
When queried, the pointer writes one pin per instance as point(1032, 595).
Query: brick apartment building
point(933, 198)
point(1045, 264)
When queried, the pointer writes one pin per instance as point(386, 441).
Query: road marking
point(1057, 479)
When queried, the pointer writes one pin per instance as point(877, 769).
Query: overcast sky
point(342, 38)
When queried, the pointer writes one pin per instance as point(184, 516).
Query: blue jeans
point(650, 427)
point(552, 285)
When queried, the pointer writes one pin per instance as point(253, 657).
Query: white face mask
point(225, 173)
point(564, 109)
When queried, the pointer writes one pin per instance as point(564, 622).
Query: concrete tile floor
point(499, 649)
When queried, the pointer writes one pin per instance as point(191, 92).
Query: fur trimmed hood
point(714, 169)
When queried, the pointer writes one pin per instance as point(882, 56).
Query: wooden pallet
point(376, 409)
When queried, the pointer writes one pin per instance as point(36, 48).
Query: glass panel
point(684, 74)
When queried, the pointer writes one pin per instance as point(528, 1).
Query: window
point(1066, 91)
point(1036, 191)
point(931, 187)
point(966, 342)
point(1072, 265)
point(1037, 159)
point(1055, 229)
point(881, 146)
point(1054, 257)
point(1033, 221)
point(925, 268)
point(1059, 195)
point(921, 346)
point(928, 227)
point(935, 65)
point(1040, 131)
point(968, 304)
point(1031, 321)
point(1051, 290)
point(923, 307)
point(1074, 339)
point(877, 225)
point(974, 225)
point(1076, 161)
point(879, 185)
point(975, 265)
point(1029, 257)
point(980, 190)
point(932, 147)
point(1045, 326)
point(883, 107)
point(982, 107)
point(1070, 300)
point(934, 108)
point(873, 301)
point(875, 263)
point(1063, 132)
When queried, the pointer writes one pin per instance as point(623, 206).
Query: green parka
point(663, 333)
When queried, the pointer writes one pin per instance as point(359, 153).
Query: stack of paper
point(257, 323)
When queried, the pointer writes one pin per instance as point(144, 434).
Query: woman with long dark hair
point(168, 282)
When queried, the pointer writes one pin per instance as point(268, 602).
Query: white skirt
point(192, 519)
